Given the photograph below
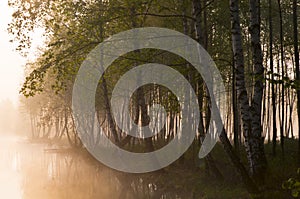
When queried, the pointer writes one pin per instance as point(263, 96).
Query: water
point(30, 171)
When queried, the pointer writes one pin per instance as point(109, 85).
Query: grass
point(194, 181)
point(280, 169)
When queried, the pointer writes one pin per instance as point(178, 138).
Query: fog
point(35, 168)
point(13, 120)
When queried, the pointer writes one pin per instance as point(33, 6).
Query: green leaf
point(295, 193)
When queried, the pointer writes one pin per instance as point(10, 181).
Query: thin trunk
point(141, 102)
point(205, 29)
point(251, 116)
point(111, 123)
point(258, 158)
point(110, 119)
point(283, 74)
point(197, 10)
point(296, 48)
point(272, 82)
point(236, 119)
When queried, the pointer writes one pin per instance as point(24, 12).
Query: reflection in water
point(27, 171)
point(9, 170)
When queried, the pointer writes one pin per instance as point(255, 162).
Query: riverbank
point(183, 179)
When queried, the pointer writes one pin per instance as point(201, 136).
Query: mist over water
point(34, 171)
point(40, 168)
point(35, 168)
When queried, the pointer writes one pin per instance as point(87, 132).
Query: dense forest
point(253, 43)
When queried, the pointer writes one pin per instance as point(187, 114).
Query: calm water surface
point(37, 171)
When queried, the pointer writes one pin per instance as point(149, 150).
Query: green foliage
point(293, 185)
point(73, 28)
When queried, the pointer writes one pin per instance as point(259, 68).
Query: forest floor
point(191, 181)
point(280, 168)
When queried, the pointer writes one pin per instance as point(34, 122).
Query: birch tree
point(250, 113)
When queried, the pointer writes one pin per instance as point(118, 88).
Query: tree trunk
point(256, 140)
point(236, 118)
point(282, 84)
point(251, 116)
point(110, 119)
point(197, 10)
point(141, 103)
point(296, 48)
point(272, 78)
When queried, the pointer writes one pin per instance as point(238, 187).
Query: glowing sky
point(11, 62)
